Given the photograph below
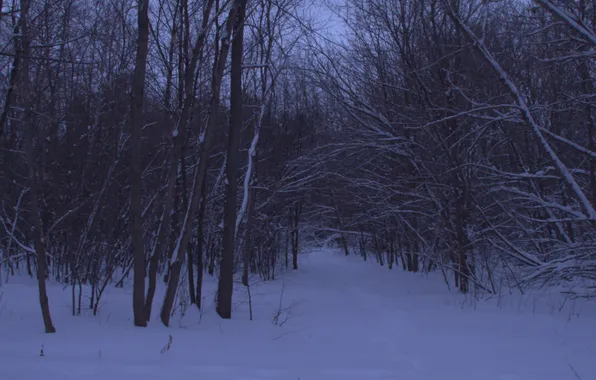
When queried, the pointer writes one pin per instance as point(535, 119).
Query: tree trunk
point(136, 126)
point(31, 156)
point(191, 275)
point(200, 240)
point(288, 238)
point(153, 266)
point(190, 259)
point(28, 261)
point(295, 234)
point(248, 237)
point(342, 238)
point(200, 171)
point(178, 140)
point(226, 270)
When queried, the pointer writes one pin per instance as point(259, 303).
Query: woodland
point(154, 143)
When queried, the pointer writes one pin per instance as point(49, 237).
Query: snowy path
point(346, 320)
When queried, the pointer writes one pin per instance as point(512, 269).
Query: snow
point(344, 319)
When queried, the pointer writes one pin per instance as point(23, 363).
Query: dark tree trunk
point(191, 276)
point(190, 259)
point(362, 245)
point(226, 271)
point(200, 244)
point(136, 125)
point(153, 267)
point(248, 237)
point(295, 233)
point(289, 234)
point(28, 262)
point(199, 286)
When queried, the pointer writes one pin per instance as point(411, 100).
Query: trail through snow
point(343, 319)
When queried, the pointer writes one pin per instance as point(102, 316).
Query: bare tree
point(136, 125)
point(226, 276)
point(29, 137)
point(200, 171)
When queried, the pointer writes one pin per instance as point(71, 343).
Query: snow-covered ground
point(345, 320)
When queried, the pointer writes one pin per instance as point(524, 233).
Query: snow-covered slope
point(344, 319)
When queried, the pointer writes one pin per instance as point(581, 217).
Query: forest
point(156, 143)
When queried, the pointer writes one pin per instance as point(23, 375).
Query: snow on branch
point(568, 19)
point(527, 114)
